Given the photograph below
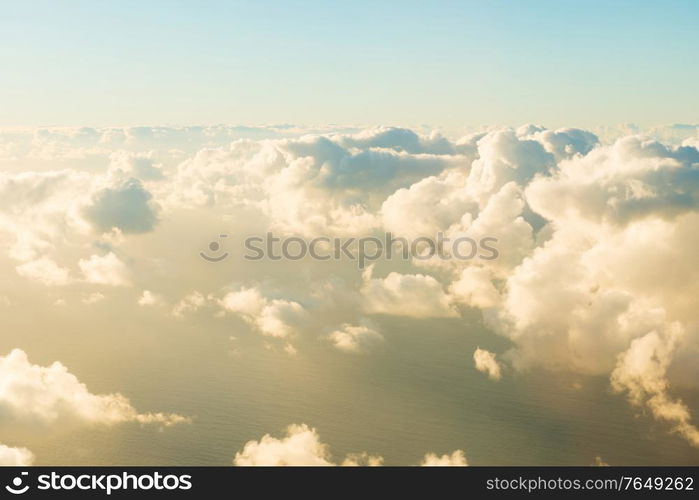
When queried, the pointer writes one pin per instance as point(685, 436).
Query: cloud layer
point(596, 270)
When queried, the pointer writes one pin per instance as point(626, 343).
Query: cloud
point(362, 460)
point(428, 206)
point(45, 271)
point(399, 139)
point(486, 363)
point(475, 288)
point(37, 209)
point(105, 270)
point(136, 165)
point(15, 456)
point(190, 303)
point(562, 143)
point(51, 394)
point(414, 295)
point(457, 458)
point(149, 298)
point(271, 317)
point(355, 338)
point(613, 263)
point(127, 207)
point(310, 185)
point(642, 372)
point(632, 179)
point(503, 158)
point(302, 446)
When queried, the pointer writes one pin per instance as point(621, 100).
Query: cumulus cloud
point(127, 207)
point(51, 394)
point(137, 165)
point(641, 371)
point(475, 288)
point(149, 298)
point(399, 139)
point(189, 303)
point(597, 253)
point(428, 206)
point(310, 185)
point(457, 458)
point(414, 295)
point(562, 143)
point(15, 456)
point(302, 446)
point(614, 265)
point(485, 362)
point(355, 338)
point(632, 179)
point(277, 318)
point(36, 208)
point(45, 271)
point(105, 270)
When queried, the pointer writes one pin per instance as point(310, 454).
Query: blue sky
point(440, 63)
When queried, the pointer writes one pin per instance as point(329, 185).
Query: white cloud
point(642, 372)
point(128, 206)
point(45, 271)
point(503, 158)
point(414, 295)
point(399, 139)
point(457, 458)
point(149, 298)
point(52, 394)
point(138, 165)
point(190, 303)
point(355, 338)
point(105, 270)
point(271, 317)
point(562, 143)
point(15, 456)
point(38, 210)
point(615, 265)
point(428, 206)
point(485, 362)
point(475, 288)
point(362, 460)
point(311, 185)
point(302, 446)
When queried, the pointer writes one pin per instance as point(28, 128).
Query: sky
point(143, 146)
point(445, 64)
